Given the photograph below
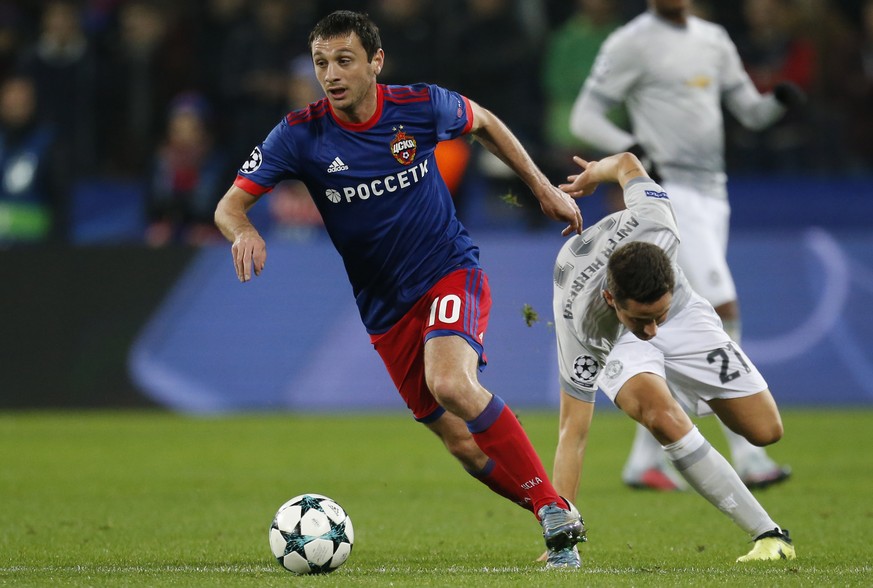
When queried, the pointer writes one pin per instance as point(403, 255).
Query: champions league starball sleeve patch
point(585, 370)
point(253, 162)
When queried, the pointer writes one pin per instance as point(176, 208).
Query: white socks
point(708, 472)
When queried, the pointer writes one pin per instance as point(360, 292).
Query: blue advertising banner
point(291, 339)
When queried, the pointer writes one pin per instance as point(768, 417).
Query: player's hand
point(789, 94)
point(249, 254)
point(620, 168)
point(558, 206)
point(544, 556)
point(582, 184)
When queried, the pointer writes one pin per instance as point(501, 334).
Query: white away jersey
point(672, 79)
point(582, 317)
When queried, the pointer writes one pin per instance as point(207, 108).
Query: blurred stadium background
point(116, 291)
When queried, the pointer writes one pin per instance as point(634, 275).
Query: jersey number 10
point(449, 308)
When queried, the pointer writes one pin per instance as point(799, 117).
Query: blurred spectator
point(63, 64)
point(847, 77)
point(99, 17)
point(496, 58)
point(29, 199)
point(410, 37)
point(837, 83)
point(862, 98)
point(187, 179)
point(215, 23)
point(293, 214)
point(148, 62)
point(569, 55)
point(303, 87)
point(255, 69)
point(105, 72)
point(774, 48)
point(11, 36)
point(452, 158)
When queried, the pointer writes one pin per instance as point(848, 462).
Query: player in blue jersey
point(366, 154)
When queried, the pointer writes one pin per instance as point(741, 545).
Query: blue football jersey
point(377, 186)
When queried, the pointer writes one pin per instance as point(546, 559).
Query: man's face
point(344, 73)
point(641, 319)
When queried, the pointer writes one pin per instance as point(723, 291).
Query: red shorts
point(459, 304)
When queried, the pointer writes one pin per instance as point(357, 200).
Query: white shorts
point(691, 351)
point(704, 223)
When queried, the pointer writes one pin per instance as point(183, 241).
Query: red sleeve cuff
point(249, 186)
point(469, 108)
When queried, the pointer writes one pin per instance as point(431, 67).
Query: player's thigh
point(459, 307)
point(635, 380)
point(701, 362)
point(402, 351)
point(451, 375)
point(703, 228)
point(700, 216)
point(458, 304)
point(755, 417)
point(646, 398)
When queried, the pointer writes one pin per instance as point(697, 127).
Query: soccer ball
point(311, 534)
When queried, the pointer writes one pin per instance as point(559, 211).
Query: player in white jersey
point(627, 320)
point(672, 71)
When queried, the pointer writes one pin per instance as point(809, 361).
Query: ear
point(378, 62)
point(610, 301)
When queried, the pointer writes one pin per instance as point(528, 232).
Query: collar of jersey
point(367, 124)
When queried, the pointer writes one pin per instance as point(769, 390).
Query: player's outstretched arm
point(573, 427)
point(499, 140)
point(249, 250)
point(619, 168)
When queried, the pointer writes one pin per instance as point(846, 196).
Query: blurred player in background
point(672, 71)
point(31, 203)
point(627, 321)
point(366, 155)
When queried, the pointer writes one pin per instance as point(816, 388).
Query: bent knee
point(766, 436)
point(667, 425)
point(450, 389)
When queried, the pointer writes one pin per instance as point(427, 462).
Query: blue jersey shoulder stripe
point(313, 111)
point(405, 90)
point(406, 95)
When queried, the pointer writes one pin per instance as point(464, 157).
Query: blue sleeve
point(273, 160)
point(452, 113)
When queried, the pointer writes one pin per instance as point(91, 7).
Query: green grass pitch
point(155, 499)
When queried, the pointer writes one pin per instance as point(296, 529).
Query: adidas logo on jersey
point(336, 165)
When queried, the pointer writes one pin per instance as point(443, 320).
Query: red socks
point(499, 482)
point(518, 471)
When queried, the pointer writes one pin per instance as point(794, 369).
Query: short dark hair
point(343, 22)
point(639, 271)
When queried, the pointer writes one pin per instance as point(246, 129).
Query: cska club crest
point(403, 147)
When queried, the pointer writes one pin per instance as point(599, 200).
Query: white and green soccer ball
point(311, 534)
